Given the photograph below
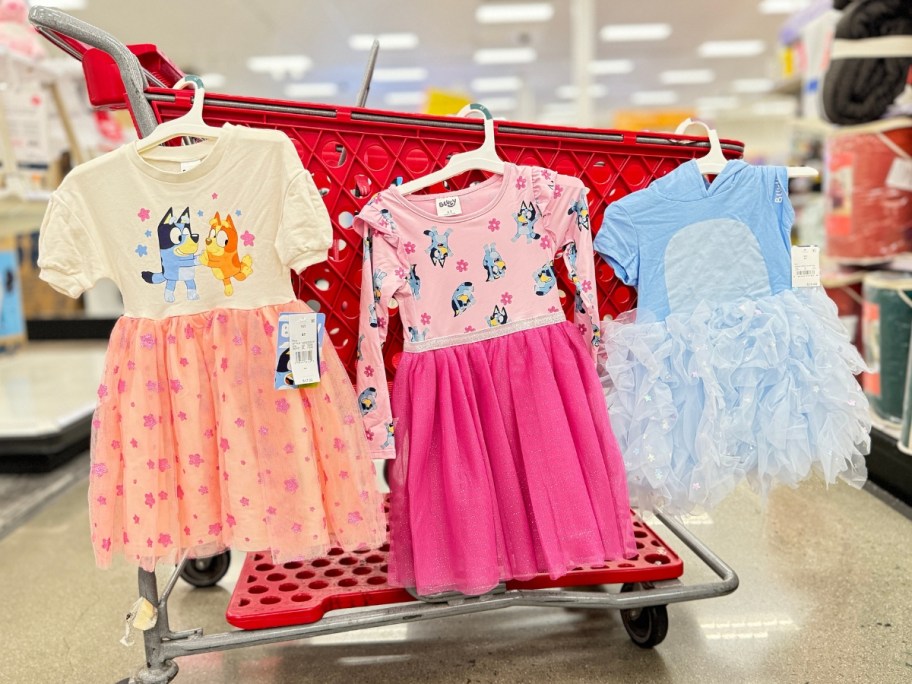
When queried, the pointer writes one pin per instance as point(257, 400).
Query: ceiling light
point(505, 55)
point(499, 104)
point(305, 90)
point(782, 6)
point(752, 85)
point(687, 76)
point(721, 102)
point(388, 41)
point(518, 13)
point(731, 48)
point(784, 107)
point(65, 4)
point(280, 66)
point(569, 92)
point(654, 97)
point(213, 80)
point(619, 33)
point(405, 98)
point(603, 67)
point(400, 75)
point(496, 84)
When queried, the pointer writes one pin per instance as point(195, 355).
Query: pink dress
point(192, 447)
point(505, 465)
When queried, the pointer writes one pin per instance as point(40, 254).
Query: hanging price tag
point(806, 266)
point(302, 338)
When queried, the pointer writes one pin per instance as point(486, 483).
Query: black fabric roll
point(860, 90)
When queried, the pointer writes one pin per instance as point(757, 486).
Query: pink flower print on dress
point(215, 529)
point(144, 214)
point(493, 225)
point(296, 528)
point(425, 318)
point(224, 445)
point(126, 538)
point(462, 265)
point(282, 405)
point(136, 517)
point(189, 333)
point(238, 340)
point(354, 518)
point(131, 365)
point(180, 492)
point(134, 443)
point(182, 415)
point(106, 543)
point(195, 460)
point(224, 364)
point(102, 391)
point(121, 386)
point(222, 318)
point(99, 469)
point(102, 501)
point(381, 322)
point(400, 273)
point(119, 490)
point(343, 474)
point(291, 485)
point(149, 421)
point(506, 298)
point(247, 238)
point(203, 489)
point(268, 328)
point(255, 350)
point(115, 444)
point(271, 510)
point(409, 247)
point(263, 430)
point(172, 339)
point(163, 465)
point(150, 499)
point(150, 464)
point(520, 182)
point(289, 448)
point(244, 501)
point(545, 242)
point(165, 539)
point(240, 422)
point(96, 423)
point(369, 371)
point(147, 341)
point(587, 285)
point(470, 328)
point(553, 309)
point(187, 530)
point(176, 386)
point(558, 191)
point(338, 444)
point(230, 521)
point(349, 419)
point(163, 495)
point(370, 435)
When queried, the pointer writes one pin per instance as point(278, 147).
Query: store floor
point(825, 596)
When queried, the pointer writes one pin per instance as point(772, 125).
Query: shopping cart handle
point(68, 32)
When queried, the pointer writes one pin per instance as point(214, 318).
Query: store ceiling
point(208, 36)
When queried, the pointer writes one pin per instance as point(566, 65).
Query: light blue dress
point(724, 372)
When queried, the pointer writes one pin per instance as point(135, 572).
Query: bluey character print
point(596, 335)
point(570, 251)
point(390, 439)
point(462, 298)
point(545, 280)
point(372, 314)
point(416, 335)
point(578, 302)
point(283, 367)
point(493, 263)
point(526, 218)
point(388, 218)
point(439, 249)
point(499, 317)
point(581, 209)
point(177, 244)
point(358, 350)
point(221, 253)
point(368, 245)
point(414, 282)
point(367, 400)
point(378, 284)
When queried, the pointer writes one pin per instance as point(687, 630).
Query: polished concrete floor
point(825, 596)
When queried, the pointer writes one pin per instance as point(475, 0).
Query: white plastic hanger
point(190, 125)
point(712, 163)
point(483, 159)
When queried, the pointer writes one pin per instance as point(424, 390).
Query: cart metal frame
point(163, 646)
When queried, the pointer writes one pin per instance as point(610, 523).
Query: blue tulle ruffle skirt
point(757, 390)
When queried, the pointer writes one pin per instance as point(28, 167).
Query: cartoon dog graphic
point(545, 280)
point(372, 314)
point(526, 218)
point(499, 317)
point(283, 367)
point(416, 335)
point(414, 282)
point(570, 251)
point(390, 441)
point(596, 336)
point(388, 217)
point(368, 245)
point(493, 263)
point(359, 354)
point(439, 249)
point(463, 298)
point(221, 253)
point(367, 400)
point(378, 284)
point(177, 244)
point(581, 209)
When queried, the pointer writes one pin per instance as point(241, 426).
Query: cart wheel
point(206, 572)
point(646, 627)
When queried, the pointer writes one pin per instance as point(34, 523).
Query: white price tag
point(302, 337)
point(900, 175)
point(187, 165)
point(448, 206)
point(805, 266)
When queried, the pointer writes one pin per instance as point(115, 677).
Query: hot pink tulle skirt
point(194, 450)
point(506, 467)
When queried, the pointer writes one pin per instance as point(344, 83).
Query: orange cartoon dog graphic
point(221, 254)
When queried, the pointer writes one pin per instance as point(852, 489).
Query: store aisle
point(826, 595)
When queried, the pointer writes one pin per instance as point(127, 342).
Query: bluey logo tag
point(448, 206)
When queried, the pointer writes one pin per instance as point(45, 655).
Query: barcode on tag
point(304, 356)
point(805, 266)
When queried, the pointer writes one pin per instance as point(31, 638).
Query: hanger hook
point(199, 92)
point(476, 108)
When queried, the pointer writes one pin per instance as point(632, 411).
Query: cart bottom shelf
point(299, 592)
